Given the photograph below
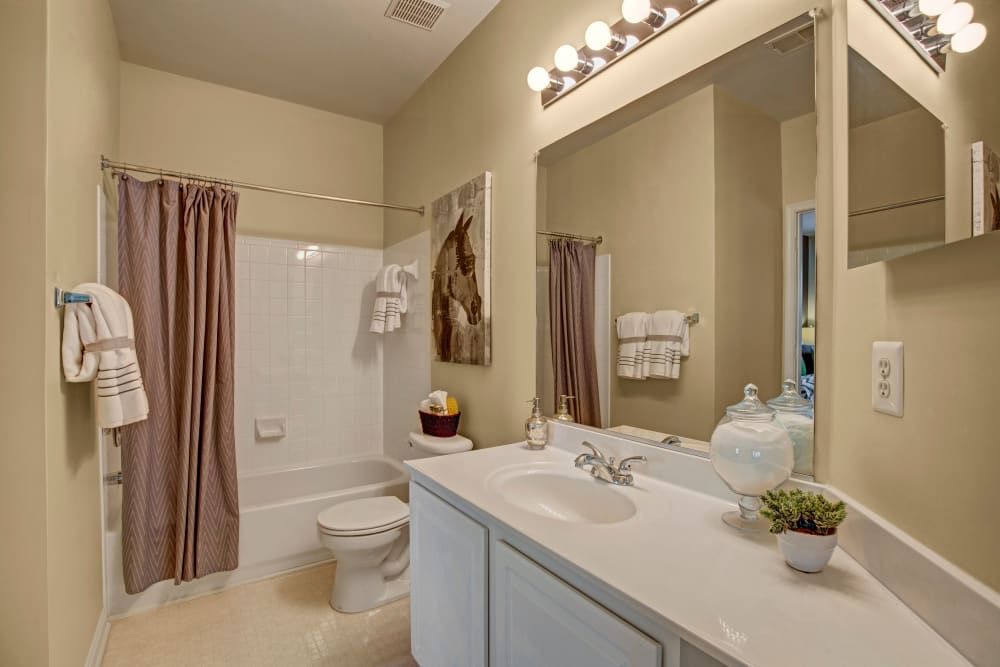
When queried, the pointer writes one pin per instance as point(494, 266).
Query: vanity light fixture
point(607, 43)
point(955, 18)
point(934, 7)
point(968, 38)
point(934, 28)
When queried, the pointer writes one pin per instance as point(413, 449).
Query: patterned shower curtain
point(176, 264)
point(571, 315)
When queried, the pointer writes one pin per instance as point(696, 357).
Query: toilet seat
point(365, 516)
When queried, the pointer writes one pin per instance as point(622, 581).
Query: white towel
point(99, 342)
point(390, 299)
point(632, 329)
point(666, 343)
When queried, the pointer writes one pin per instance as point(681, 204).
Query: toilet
point(370, 539)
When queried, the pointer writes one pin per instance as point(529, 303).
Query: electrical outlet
point(887, 378)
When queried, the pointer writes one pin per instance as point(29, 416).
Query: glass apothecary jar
point(795, 414)
point(752, 453)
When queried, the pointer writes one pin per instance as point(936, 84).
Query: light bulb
point(636, 11)
point(566, 58)
point(968, 38)
point(598, 35)
point(955, 18)
point(671, 14)
point(935, 7)
point(538, 79)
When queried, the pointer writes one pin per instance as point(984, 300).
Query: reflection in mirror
point(676, 250)
point(896, 170)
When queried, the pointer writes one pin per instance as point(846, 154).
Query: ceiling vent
point(420, 13)
point(793, 40)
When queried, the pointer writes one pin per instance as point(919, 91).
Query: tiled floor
point(282, 622)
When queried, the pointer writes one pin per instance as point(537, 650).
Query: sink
point(569, 495)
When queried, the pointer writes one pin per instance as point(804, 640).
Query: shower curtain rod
point(596, 240)
point(125, 166)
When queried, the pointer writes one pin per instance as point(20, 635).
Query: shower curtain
point(176, 263)
point(571, 314)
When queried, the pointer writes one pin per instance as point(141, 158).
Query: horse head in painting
point(455, 280)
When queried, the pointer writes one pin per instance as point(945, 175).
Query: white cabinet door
point(542, 622)
point(448, 575)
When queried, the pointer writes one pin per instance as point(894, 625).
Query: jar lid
point(750, 408)
point(789, 400)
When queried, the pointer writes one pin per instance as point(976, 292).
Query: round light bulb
point(934, 7)
point(671, 14)
point(567, 58)
point(598, 35)
point(538, 79)
point(955, 18)
point(968, 38)
point(636, 11)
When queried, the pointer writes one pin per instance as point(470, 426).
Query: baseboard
point(95, 656)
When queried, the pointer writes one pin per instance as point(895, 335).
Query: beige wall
point(23, 605)
point(798, 159)
point(82, 122)
point(649, 190)
point(475, 112)
point(932, 472)
point(748, 252)
point(180, 123)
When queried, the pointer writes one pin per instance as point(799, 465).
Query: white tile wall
point(407, 372)
point(303, 351)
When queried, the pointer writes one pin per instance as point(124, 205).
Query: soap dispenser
point(563, 413)
point(536, 427)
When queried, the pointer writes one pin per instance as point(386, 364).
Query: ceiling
point(343, 56)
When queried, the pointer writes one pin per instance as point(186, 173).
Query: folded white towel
point(632, 328)
point(99, 342)
point(666, 343)
point(390, 299)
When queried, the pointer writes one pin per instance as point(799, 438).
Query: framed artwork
point(460, 255)
point(985, 190)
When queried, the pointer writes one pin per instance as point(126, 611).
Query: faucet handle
point(625, 465)
point(598, 454)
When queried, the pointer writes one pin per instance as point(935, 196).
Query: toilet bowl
point(370, 540)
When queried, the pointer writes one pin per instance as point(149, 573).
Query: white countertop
point(732, 591)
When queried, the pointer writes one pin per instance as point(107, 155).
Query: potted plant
point(806, 526)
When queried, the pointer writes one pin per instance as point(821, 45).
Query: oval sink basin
point(570, 495)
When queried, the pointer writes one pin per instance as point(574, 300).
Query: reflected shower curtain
point(571, 314)
point(176, 262)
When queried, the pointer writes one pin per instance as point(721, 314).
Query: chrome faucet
point(603, 468)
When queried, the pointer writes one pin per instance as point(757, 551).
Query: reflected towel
point(667, 342)
point(632, 328)
point(99, 343)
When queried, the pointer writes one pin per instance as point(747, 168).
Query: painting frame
point(461, 248)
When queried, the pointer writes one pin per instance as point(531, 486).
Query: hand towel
point(99, 343)
point(631, 344)
point(390, 297)
point(439, 401)
point(666, 343)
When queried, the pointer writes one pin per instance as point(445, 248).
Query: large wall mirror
point(676, 250)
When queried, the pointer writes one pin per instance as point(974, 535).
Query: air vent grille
point(420, 13)
point(792, 40)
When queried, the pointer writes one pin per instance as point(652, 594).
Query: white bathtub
point(278, 509)
point(277, 525)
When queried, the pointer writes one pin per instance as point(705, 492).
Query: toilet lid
point(364, 515)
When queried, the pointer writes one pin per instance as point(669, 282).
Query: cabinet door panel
point(542, 622)
point(448, 573)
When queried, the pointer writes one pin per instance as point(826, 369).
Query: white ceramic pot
point(807, 552)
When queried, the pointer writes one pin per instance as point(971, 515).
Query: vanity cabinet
point(448, 589)
point(539, 621)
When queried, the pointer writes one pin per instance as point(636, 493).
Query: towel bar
point(62, 298)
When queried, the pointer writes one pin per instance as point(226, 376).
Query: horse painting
point(459, 311)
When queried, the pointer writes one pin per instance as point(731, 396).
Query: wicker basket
point(440, 426)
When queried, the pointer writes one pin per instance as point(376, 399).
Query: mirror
point(676, 249)
point(896, 170)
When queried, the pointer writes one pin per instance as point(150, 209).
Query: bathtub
point(278, 509)
point(277, 526)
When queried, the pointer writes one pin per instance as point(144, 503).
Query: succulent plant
point(802, 511)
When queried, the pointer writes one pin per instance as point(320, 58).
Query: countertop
point(677, 561)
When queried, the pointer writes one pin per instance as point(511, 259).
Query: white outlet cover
point(891, 352)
